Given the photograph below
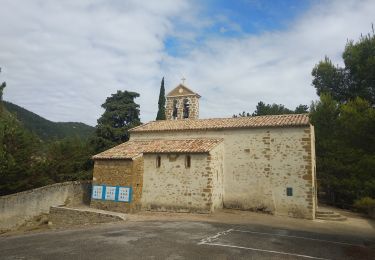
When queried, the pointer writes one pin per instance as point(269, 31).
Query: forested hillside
point(35, 152)
point(48, 130)
point(27, 161)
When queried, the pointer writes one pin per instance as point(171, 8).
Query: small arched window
point(186, 108)
point(158, 161)
point(174, 112)
point(187, 161)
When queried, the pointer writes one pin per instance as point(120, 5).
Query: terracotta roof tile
point(132, 149)
point(292, 120)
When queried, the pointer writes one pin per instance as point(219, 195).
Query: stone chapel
point(187, 164)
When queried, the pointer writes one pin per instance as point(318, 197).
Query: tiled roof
point(127, 150)
point(292, 120)
point(132, 149)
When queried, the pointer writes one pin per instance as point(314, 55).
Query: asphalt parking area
point(185, 240)
point(282, 245)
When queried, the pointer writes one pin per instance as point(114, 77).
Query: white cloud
point(234, 74)
point(61, 59)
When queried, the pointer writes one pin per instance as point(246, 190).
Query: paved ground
point(195, 239)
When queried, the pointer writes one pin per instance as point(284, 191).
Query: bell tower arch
point(182, 103)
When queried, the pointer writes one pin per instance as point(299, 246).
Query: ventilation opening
point(289, 191)
point(186, 108)
point(174, 113)
point(187, 161)
point(158, 161)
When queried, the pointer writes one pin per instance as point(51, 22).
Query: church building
point(187, 164)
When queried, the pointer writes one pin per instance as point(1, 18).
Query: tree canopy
point(161, 102)
point(344, 120)
point(16, 155)
point(345, 148)
point(27, 162)
point(121, 113)
point(46, 129)
point(263, 109)
point(355, 79)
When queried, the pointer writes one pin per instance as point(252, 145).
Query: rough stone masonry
point(186, 164)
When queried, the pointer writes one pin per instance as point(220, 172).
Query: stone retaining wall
point(17, 208)
point(62, 216)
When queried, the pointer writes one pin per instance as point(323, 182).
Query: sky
point(62, 59)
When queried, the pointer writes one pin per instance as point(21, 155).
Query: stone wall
point(119, 173)
point(194, 107)
point(17, 208)
point(216, 176)
point(260, 164)
point(62, 216)
point(173, 187)
point(312, 157)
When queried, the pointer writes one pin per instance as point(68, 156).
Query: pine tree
point(161, 103)
point(271, 109)
point(121, 113)
point(355, 79)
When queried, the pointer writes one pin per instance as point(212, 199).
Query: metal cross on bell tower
point(183, 80)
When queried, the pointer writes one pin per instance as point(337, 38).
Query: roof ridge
point(285, 120)
point(182, 85)
point(134, 148)
point(223, 118)
point(177, 139)
point(138, 126)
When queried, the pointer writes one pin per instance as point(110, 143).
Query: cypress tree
point(161, 103)
point(2, 86)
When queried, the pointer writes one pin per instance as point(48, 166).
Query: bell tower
point(182, 103)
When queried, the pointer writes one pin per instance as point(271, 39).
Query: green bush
point(365, 204)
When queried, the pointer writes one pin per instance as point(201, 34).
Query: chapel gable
point(182, 103)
